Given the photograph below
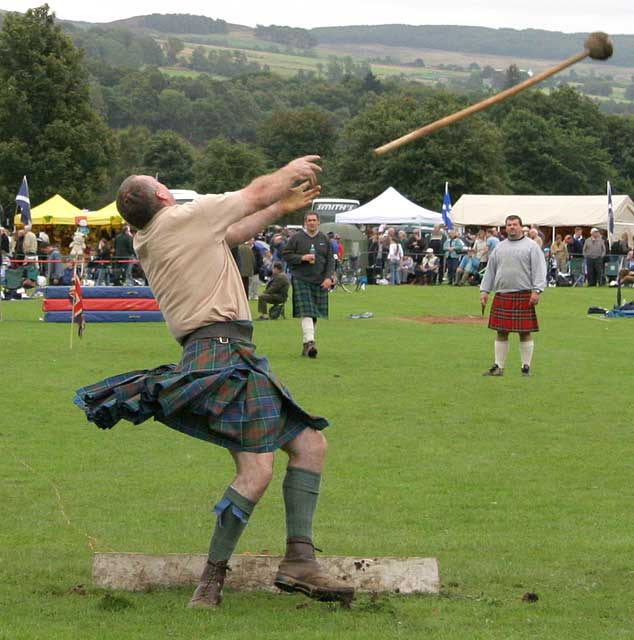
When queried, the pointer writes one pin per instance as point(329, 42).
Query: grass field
point(515, 484)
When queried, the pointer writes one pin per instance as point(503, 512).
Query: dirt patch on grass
point(449, 319)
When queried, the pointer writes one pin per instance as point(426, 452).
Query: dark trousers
point(268, 298)
point(430, 277)
point(452, 265)
point(594, 271)
point(441, 268)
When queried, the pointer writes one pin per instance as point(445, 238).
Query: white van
point(328, 208)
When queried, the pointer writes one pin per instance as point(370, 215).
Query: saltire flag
point(446, 208)
point(77, 311)
point(23, 202)
point(610, 215)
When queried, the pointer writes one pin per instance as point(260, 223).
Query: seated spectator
point(551, 267)
point(19, 279)
point(467, 271)
point(66, 279)
point(626, 276)
point(429, 267)
point(407, 270)
point(276, 291)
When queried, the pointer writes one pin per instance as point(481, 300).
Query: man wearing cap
point(429, 267)
point(594, 252)
point(516, 271)
point(222, 392)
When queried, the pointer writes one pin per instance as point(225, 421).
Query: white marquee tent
point(390, 208)
point(545, 211)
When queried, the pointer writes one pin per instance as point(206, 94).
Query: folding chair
point(13, 281)
point(612, 266)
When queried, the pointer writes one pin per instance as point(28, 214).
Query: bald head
point(140, 197)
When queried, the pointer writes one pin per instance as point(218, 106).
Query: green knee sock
point(301, 492)
point(233, 514)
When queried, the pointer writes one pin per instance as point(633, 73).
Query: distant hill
point(527, 43)
point(427, 54)
point(173, 23)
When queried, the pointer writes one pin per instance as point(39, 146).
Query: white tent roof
point(545, 211)
point(390, 208)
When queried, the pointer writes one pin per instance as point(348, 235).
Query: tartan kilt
point(219, 392)
point(512, 312)
point(309, 300)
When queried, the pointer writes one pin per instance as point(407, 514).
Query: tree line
point(290, 36)
point(79, 129)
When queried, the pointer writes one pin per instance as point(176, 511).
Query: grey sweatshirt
point(515, 265)
point(593, 248)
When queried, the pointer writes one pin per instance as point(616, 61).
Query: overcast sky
point(613, 16)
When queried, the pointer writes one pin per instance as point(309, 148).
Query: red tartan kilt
point(512, 312)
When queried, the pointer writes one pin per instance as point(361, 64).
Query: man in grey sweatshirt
point(516, 271)
point(594, 252)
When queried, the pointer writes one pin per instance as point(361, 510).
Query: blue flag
point(610, 215)
point(23, 202)
point(446, 208)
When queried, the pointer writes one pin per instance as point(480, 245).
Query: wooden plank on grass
point(140, 572)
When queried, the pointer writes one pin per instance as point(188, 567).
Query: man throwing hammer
point(516, 271)
point(309, 254)
point(221, 391)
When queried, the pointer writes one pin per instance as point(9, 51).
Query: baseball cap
point(593, 229)
point(430, 250)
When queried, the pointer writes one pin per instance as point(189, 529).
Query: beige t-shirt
point(189, 265)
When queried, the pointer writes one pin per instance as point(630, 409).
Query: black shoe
point(526, 370)
point(312, 350)
point(494, 371)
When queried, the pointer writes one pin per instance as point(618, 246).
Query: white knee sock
point(308, 329)
point(501, 350)
point(526, 352)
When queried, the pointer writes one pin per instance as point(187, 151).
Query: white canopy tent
point(390, 208)
point(545, 211)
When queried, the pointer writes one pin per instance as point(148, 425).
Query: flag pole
point(72, 314)
point(610, 216)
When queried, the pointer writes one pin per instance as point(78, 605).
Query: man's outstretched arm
point(267, 190)
point(294, 199)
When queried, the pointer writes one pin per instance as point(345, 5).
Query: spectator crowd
point(394, 256)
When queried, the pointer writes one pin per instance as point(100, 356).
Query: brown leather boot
point(208, 593)
point(299, 571)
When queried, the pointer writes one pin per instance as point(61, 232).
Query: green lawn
point(515, 484)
